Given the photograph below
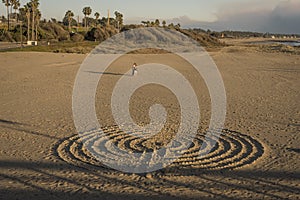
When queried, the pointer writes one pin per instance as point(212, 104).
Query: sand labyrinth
point(233, 150)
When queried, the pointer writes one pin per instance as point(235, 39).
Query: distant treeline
point(244, 34)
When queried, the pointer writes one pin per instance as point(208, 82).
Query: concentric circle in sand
point(233, 150)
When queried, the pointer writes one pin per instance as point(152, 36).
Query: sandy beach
point(257, 157)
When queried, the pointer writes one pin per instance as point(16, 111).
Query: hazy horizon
point(275, 16)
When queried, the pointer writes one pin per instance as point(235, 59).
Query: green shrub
point(100, 34)
point(77, 37)
point(6, 37)
point(55, 31)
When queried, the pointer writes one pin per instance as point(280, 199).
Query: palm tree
point(69, 16)
point(27, 10)
point(119, 20)
point(34, 6)
point(11, 2)
point(178, 26)
point(86, 11)
point(37, 22)
point(7, 4)
point(157, 22)
point(22, 14)
point(16, 5)
point(97, 16)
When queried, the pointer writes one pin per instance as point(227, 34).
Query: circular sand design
point(232, 150)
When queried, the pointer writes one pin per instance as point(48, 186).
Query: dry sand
point(256, 158)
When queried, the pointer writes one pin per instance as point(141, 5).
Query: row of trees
point(157, 23)
point(12, 4)
point(69, 20)
point(30, 14)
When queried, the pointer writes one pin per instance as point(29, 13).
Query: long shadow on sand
point(25, 128)
point(3, 121)
point(108, 73)
point(294, 150)
point(41, 180)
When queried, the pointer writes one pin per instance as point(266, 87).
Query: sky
point(280, 16)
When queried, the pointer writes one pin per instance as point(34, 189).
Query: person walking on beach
point(134, 69)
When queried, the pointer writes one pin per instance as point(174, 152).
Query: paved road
point(8, 45)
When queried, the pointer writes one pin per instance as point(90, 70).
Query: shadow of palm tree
point(17, 126)
point(10, 122)
point(258, 183)
point(294, 150)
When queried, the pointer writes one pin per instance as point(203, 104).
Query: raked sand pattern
point(233, 150)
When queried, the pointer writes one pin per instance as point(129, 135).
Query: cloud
point(281, 18)
point(185, 21)
point(284, 18)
